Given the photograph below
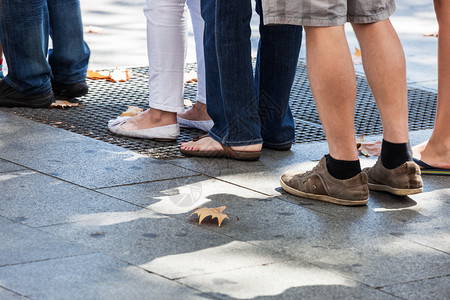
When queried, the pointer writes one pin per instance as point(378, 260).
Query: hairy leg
point(436, 151)
point(385, 68)
point(333, 84)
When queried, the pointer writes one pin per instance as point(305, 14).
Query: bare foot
point(196, 113)
point(209, 144)
point(149, 119)
point(418, 149)
point(436, 155)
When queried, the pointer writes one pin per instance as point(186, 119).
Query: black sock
point(342, 169)
point(394, 155)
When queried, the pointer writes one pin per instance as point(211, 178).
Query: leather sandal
point(226, 151)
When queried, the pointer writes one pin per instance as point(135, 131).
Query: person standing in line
point(433, 155)
point(338, 177)
point(32, 81)
point(250, 111)
point(166, 45)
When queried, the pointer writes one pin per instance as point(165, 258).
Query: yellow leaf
point(94, 74)
point(63, 104)
point(216, 212)
point(357, 59)
point(118, 75)
point(132, 111)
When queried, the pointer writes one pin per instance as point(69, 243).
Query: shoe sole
point(394, 191)
point(324, 198)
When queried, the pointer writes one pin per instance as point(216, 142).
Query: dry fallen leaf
point(357, 59)
point(215, 212)
point(190, 77)
point(94, 74)
point(120, 75)
point(132, 111)
point(368, 148)
point(63, 104)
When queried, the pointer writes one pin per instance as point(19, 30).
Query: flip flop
point(226, 151)
point(427, 169)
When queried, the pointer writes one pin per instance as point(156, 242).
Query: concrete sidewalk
point(84, 219)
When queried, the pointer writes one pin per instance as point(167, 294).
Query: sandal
point(226, 151)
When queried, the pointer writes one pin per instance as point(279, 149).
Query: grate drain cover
point(107, 100)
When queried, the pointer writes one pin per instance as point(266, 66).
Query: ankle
point(395, 154)
point(158, 116)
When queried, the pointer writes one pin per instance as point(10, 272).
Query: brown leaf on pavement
point(216, 212)
point(63, 104)
point(94, 74)
point(120, 75)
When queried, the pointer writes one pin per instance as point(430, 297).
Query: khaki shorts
point(326, 12)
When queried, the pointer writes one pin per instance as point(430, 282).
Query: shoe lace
point(308, 174)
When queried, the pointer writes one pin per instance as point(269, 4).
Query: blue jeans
point(25, 27)
point(248, 109)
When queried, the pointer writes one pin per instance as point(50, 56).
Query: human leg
point(166, 43)
point(385, 69)
point(69, 57)
point(231, 97)
point(436, 151)
point(24, 37)
point(333, 84)
point(197, 116)
point(276, 63)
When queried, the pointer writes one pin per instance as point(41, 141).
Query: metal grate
point(107, 100)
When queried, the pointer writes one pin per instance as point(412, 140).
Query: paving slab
point(78, 159)
point(285, 280)
point(6, 166)
point(359, 244)
point(434, 288)
point(39, 200)
point(180, 196)
point(20, 244)
point(155, 243)
point(93, 276)
point(262, 175)
point(300, 230)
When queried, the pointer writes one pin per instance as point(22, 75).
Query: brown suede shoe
point(318, 184)
point(401, 181)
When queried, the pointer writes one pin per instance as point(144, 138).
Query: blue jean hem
point(279, 145)
point(232, 144)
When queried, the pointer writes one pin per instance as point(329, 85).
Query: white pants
point(166, 46)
